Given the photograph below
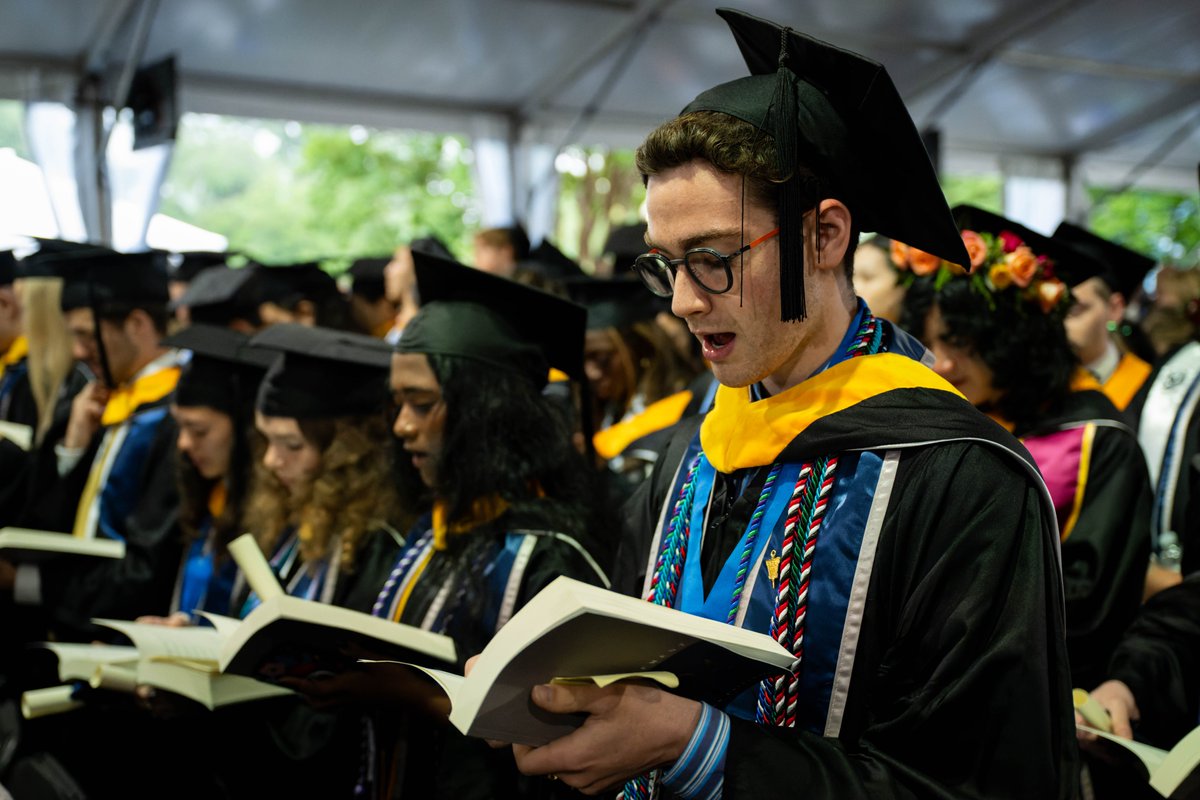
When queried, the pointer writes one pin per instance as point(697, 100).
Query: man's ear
point(834, 240)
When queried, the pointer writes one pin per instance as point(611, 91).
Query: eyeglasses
point(709, 269)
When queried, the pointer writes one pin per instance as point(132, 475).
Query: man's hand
point(1117, 699)
point(86, 410)
point(630, 729)
point(178, 619)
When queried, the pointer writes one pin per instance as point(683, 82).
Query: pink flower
point(1023, 265)
point(1009, 241)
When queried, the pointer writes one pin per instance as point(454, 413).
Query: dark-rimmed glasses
point(709, 269)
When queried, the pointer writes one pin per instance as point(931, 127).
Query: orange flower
point(923, 263)
point(900, 254)
point(976, 248)
point(1000, 276)
point(1050, 294)
point(1023, 265)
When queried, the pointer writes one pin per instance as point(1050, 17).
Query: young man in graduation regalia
point(840, 496)
point(110, 473)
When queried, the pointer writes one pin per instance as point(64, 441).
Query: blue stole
point(122, 489)
point(835, 560)
point(204, 585)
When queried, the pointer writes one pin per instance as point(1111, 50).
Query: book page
point(1182, 760)
point(1151, 757)
point(23, 544)
point(115, 677)
point(223, 625)
point(254, 566)
point(668, 680)
point(79, 661)
point(193, 647)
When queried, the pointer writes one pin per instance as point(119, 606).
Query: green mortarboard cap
point(473, 314)
point(223, 372)
point(1121, 268)
point(616, 303)
point(838, 113)
point(322, 373)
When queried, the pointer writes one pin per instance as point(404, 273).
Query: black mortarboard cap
point(96, 278)
point(186, 266)
point(322, 373)
point(1066, 260)
point(550, 262)
point(223, 373)
point(287, 285)
point(840, 114)
point(1123, 269)
point(616, 303)
point(626, 243)
point(366, 276)
point(220, 295)
point(431, 245)
point(8, 267)
point(40, 263)
point(473, 314)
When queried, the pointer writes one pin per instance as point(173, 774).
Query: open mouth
point(717, 345)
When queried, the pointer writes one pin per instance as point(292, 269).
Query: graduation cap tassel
point(791, 191)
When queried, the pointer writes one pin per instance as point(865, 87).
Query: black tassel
point(791, 191)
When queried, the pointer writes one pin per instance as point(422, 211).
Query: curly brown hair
point(731, 145)
point(351, 495)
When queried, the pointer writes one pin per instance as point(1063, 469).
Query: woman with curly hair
point(323, 505)
point(997, 335)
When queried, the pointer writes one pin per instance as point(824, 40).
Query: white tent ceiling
point(1096, 86)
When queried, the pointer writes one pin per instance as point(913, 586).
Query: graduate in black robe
point(108, 472)
point(1007, 351)
point(508, 508)
point(840, 496)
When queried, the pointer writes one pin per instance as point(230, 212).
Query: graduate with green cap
point(507, 504)
point(840, 496)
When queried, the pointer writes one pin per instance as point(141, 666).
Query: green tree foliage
point(599, 189)
point(982, 191)
point(288, 192)
point(1163, 225)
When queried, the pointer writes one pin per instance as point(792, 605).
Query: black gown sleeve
point(1159, 659)
point(960, 686)
point(1106, 553)
point(75, 591)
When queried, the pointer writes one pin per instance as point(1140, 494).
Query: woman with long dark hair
point(508, 507)
point(997, 335)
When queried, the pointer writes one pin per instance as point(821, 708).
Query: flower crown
point(998, 264)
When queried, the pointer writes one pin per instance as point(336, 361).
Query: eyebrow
point(698, 239)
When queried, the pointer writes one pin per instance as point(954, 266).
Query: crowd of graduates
point(433, 443)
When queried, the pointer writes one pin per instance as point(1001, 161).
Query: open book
point(184, 661)
point(291, 637)
point(571, 630)
point(24, 545)
point(79, 664)
point(1173, 773)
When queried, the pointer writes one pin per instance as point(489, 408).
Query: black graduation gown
point(1159, 659)
point(1104, 519)
point(960, 686)
point(433, 760)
